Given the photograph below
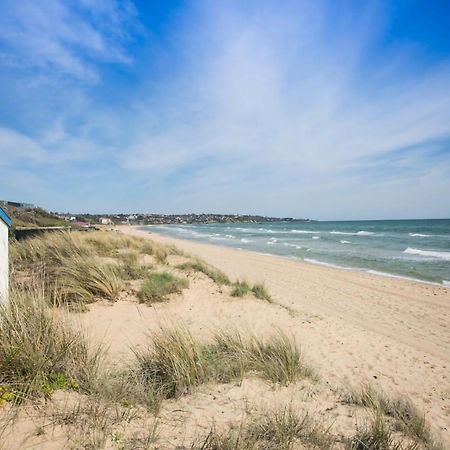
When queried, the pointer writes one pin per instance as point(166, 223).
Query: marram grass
point(40, 352)
point(159, 285)
point(176, 362)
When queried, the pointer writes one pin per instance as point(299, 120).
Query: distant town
point(32, 215)
point(160, 219)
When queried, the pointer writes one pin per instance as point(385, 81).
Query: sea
point(413, 249)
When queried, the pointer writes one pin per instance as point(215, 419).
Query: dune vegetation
point(46, 356)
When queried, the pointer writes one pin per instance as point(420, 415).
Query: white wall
point(4, 269)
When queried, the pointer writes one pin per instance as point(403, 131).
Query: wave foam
point(419, 235)
point(305, 232)
point(345, 242)
point(357, 233)
point(287, 244)
point(316, 237)
point(432, 254)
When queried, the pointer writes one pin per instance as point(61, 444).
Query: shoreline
point(363, 270)
point(353, 326)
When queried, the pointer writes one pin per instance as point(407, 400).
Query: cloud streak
point(242, 108)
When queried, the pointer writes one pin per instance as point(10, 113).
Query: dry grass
point(406, 418)
point(378, 435)
point(82, 279)
point(40, 352)
point(73, 263)
point(211, 272)
point(260, 292)
point(130, 267)
point(175, 362)
point(281, 429)
point(159, 285)
point(240, 289)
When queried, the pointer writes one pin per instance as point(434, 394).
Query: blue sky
point(324, 109)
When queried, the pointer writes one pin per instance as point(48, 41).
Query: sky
point(329, 110)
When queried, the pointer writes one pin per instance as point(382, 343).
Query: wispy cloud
point(235, 107)
point(60, 38)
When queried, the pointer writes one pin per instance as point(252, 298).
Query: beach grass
point(240, 289)
point(378, 435)
point(176, 362)
point(130, 266)
point(260, 292)
point(159, 285)
point(82, 279)
point(40, 351)
point(281, 429)
point(405, 416)
point(81, 267)
point(211, 272)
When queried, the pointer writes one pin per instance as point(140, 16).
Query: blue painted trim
point(5, 217)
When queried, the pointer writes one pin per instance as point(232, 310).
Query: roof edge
point(4, 216)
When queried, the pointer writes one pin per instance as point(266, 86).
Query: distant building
point(105, 221)
point(5, 223)
point(83, 224)
point(17, 204)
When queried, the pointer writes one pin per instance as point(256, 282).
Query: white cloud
point(56, 38)
point(280, 91)
point(259, 108)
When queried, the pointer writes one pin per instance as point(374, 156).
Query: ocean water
point(418, 249)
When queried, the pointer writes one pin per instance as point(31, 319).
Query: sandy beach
point(353, 327)
point(351, 330)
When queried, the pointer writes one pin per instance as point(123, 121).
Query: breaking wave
point(428, 253)
point(357, 233)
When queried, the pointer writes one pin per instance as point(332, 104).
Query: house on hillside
point(5, 223)
point(105, 221)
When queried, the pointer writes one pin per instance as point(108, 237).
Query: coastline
point(309, 261)
point(353, 326)
point(336, 285)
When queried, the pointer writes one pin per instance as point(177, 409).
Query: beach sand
point(353, 327)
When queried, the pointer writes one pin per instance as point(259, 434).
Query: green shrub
point(159, 285)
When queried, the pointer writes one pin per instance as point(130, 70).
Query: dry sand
point(353, 327)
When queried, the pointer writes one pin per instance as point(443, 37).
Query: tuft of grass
point(130, 268)
point(280, 429)
point(84, 279)
point(175, 362)
point(69, 265)
point(40, 352)
point(406, 417)
point(260, 292)
point(211, 272)
point(240, 289)
point(159, 251)
point(378, 436)
point(159, 285)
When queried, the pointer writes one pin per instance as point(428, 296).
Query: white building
point(106, 221)
point(5, 223)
